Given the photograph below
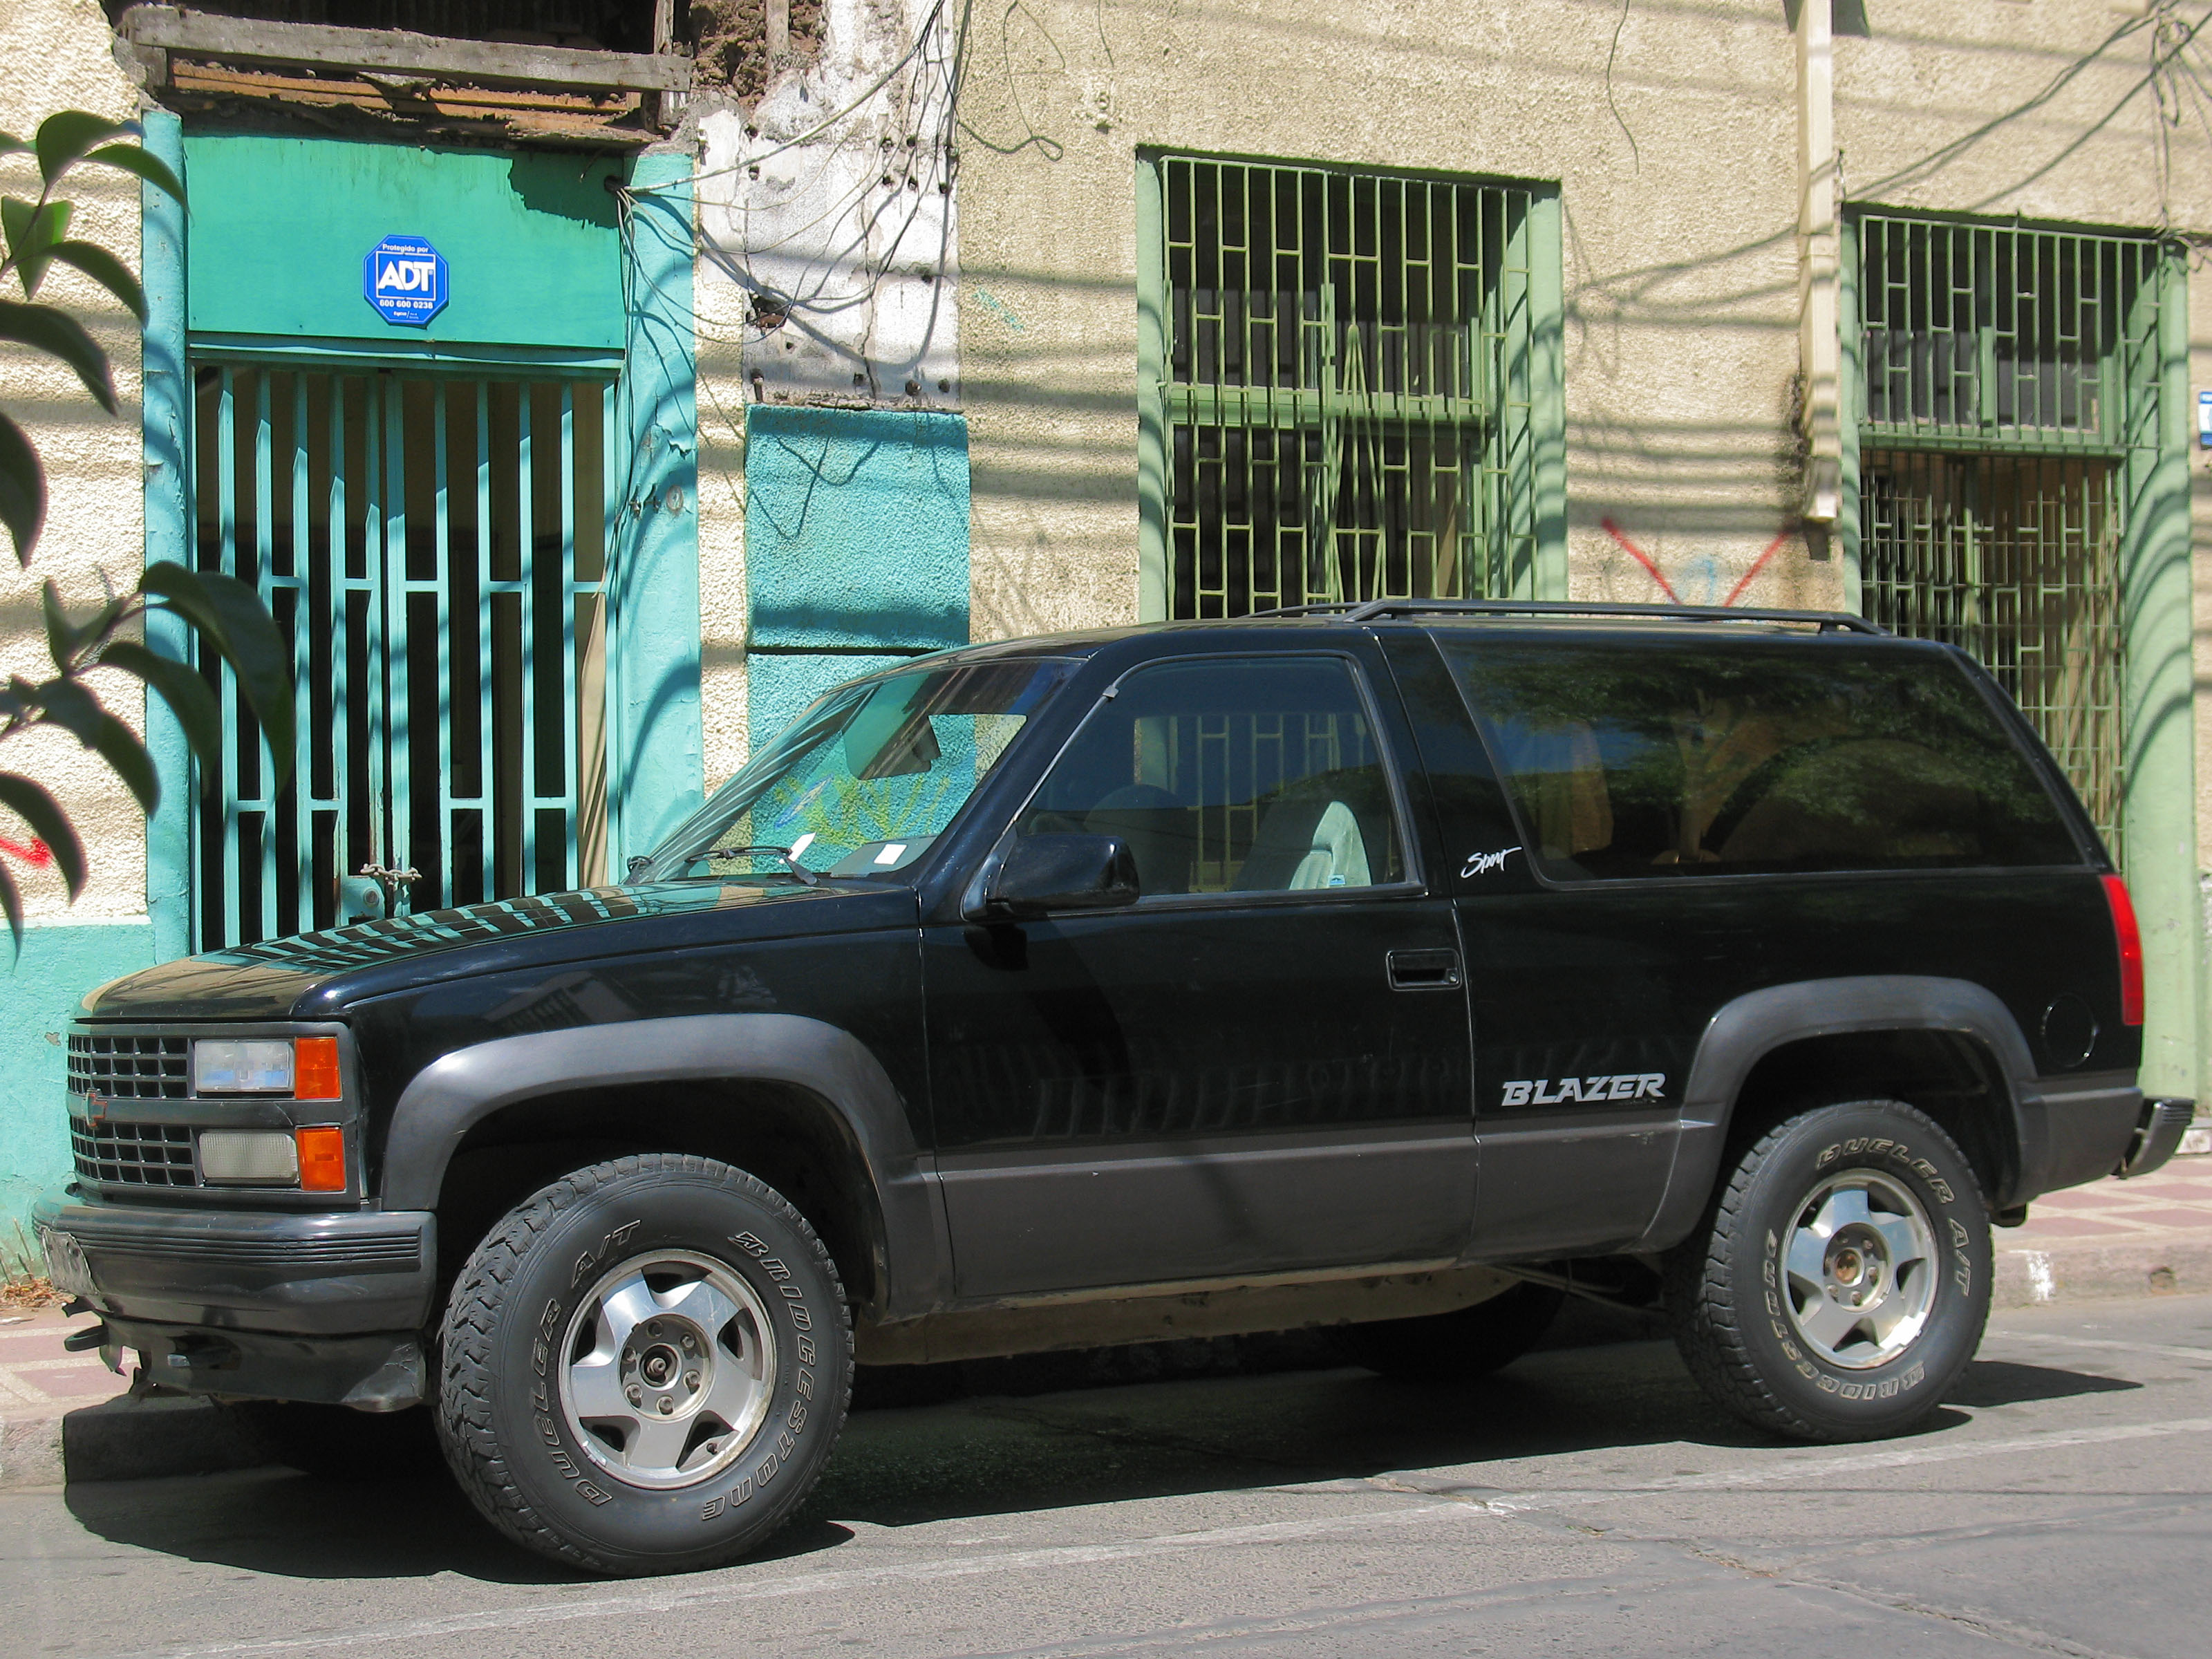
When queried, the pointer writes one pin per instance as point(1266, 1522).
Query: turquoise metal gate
point(435, 548)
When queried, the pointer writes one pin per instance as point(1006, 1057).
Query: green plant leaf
point(66, 135)
point(14, 906)
point(22, 489)
point(104, 268)
point(190, 699)
point(60, 335)
point(152, 168)
point(231, 618)
point(65, 703)
point(49, 823)
point(33, 229)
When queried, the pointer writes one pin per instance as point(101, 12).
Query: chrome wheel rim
point(668, 1367)
point(1860, 1269)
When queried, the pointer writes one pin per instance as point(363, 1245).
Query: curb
point(126, 1438)
point(2096, 1272)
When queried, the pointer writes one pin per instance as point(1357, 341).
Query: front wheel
point(645, 1365)
point(1842, 1279)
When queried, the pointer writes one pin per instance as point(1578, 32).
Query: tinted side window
point(1227, 775)
point(1650, 758)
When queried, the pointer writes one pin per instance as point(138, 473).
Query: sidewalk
point(2143, 1237)
point(64, 1411)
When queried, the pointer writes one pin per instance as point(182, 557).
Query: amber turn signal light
point(315, 1068)
point(322, 1158)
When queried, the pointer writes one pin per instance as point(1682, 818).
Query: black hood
point(319, 976)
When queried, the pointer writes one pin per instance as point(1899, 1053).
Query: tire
point(1459, 1345)
point(645, 1366)
point(336, 1443)
point(1761, 1299)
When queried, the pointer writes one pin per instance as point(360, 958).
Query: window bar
point(227, 696)
point(610, 576)
point(572, 796)
point(302, 788)
point(525, 538)
point(262, 803)
point(441, 585)
point(334, 531)
point(397, 826)
point(487, 785)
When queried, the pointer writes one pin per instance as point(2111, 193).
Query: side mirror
point(1043, 873)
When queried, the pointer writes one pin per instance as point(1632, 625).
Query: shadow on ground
point(1009, 1437)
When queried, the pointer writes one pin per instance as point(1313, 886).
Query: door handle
point(1423, 970)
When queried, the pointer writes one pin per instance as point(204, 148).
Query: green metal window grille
point(435, 549)
point(1349, 368)
point(2006, 375)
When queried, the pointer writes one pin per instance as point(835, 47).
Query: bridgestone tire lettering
point(1729, 1298)
point(501, 1422)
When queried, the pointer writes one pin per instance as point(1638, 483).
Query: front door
point(1260, 1067)
point(435, 547)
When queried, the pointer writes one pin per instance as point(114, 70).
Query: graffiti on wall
point(1701, 579)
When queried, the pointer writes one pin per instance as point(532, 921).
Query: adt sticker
point(405, 279)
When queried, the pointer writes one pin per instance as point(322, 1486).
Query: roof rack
point(1838, 622)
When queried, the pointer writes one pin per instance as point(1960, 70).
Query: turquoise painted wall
point(660, 744)
point(57, 966)
point(778, 687)
point(856, 547)
point(279, 226)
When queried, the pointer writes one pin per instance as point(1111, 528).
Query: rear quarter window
point(1648, 759)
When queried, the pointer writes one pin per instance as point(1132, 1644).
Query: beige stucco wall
point(1680, 348)
point(58, 56)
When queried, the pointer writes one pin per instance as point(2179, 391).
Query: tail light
point(2129, 937)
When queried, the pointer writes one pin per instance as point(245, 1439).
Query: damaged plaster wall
point(827, 271)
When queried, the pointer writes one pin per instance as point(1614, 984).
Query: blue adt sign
point(405, 279)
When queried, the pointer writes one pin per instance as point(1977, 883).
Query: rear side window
point(1646, 759)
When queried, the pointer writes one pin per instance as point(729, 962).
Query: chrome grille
point(130, 1067)
point(134, 1154)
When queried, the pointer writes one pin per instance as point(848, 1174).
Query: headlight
point(259, 1158)
point(306, 1068)
point(232, 1065)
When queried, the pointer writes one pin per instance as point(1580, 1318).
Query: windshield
point(864, 780)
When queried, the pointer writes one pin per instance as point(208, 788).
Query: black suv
point(1384, 967)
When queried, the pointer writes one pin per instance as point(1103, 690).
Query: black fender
point(1745, 1031)
point(455, 1092)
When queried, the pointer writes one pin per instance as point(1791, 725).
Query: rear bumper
point(340, 1275)
point(2075, 1129)
point(2164, 1122)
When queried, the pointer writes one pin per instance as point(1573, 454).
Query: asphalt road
point(1585, 1501)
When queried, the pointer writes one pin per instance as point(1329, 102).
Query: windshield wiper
point(807, 877)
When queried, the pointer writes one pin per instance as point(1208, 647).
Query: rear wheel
point(1455, 1346)
point(645, 1366)
point(1842, 1279)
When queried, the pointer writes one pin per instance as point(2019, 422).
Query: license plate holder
point(66, 1263)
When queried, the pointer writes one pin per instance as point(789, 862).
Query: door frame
point(655, 738)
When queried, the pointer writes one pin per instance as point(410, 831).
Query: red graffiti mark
point(37, 854)
point(1643, 559)
point(1756, 565)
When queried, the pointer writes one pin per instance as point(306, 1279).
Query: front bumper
point(323, 1307)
